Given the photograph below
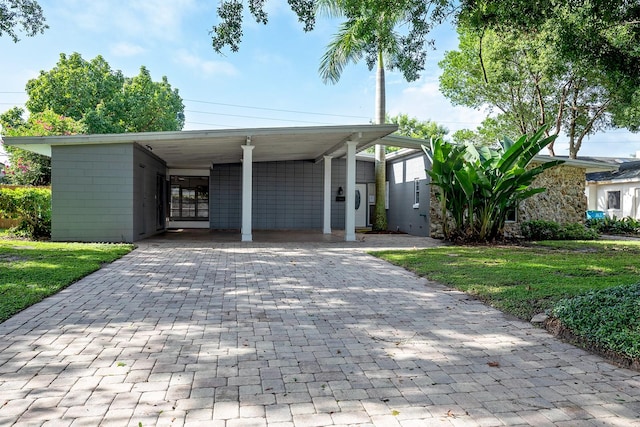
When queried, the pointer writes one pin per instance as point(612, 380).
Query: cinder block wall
point(286, 195)
point(92, 193)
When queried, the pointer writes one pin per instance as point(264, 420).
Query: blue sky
point(272, 81)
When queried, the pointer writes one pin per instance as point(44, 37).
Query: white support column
point(326, 228)
point(247, 192)
point(350, 205)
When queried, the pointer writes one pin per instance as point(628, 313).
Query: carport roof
point(202, 148)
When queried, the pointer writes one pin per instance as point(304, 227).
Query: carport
point(109, 187)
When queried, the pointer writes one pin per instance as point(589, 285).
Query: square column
point(350, 205)
point(326, 228)
point(247, 192)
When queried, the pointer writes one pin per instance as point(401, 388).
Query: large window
point(189, 198)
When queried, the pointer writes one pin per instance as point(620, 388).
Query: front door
point(361, 205)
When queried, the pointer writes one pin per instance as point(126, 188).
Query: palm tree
point(366, 33)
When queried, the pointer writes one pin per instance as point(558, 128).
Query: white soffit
point(201, 149)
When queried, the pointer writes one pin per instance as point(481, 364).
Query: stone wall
point(563, 202)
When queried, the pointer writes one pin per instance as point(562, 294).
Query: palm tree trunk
point(380, 212)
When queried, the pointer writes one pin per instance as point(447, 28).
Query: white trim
point(247, 192)
point(350, 205)
point(326, 226)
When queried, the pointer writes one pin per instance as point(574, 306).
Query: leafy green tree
point(21, 15)
point(479, 186)
point(26, 167)
point(599, 35)
point(104, 100)
point(415, 128)
point(521, 76)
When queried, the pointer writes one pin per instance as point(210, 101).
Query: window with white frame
point(613, 199)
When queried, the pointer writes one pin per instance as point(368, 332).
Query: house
point(616, 192)
point(127, 187)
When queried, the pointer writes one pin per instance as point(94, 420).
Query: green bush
point(608, 317)
point(32, 206)
point(550, 230)
point(614, 225)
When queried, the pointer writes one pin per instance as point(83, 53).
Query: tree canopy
point(415, 128)
point(521, 77)
point(104, 100)
point(21, 16)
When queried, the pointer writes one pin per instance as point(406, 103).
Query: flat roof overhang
point(203, 148)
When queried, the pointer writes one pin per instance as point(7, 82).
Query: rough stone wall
point(563, 202)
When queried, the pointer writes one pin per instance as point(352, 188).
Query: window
point(512, 214)
point(189, 198)
point(613, 199)
point(416, 193)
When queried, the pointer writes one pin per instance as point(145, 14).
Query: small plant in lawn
point(551, 230)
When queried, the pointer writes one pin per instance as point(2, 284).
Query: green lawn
point(526, 280)
point(31, 271)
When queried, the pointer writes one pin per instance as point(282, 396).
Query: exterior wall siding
point(404, 215)
point(92, 193)
point(147, 168)
point(286, 195)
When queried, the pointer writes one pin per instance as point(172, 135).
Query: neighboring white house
point(616, 193)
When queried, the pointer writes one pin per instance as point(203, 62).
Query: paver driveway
point(237, 334)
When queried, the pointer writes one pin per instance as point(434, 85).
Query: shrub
point(608, 317)
point(550, 230)
point(32, 206)
point(613, 225)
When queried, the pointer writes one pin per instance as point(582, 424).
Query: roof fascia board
point(193, 134)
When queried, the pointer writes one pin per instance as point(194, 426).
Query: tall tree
point(21, 15)
point(369, 31)
point(520, 75)
point(105, 100)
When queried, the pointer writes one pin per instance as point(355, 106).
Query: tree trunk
point(380, 212)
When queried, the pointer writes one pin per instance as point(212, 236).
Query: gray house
point(127, 187)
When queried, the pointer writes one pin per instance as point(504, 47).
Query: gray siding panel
point(402, 215)
point(92, 193)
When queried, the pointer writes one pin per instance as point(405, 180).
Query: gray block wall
point(92, 193)
point(147, 168)
point(286, 195)
point(402, 215)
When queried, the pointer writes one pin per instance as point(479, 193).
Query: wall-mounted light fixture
point(340, 195)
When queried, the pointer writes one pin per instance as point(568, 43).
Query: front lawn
point(526, 280)
point(31, 271)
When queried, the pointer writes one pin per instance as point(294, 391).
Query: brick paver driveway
point(296, 334)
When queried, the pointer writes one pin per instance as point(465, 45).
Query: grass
point(31, 271)
point(526, 280)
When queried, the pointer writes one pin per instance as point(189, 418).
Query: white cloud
point(159, 19)
point(209, 68)
point(126, 49)
point(424, 101)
